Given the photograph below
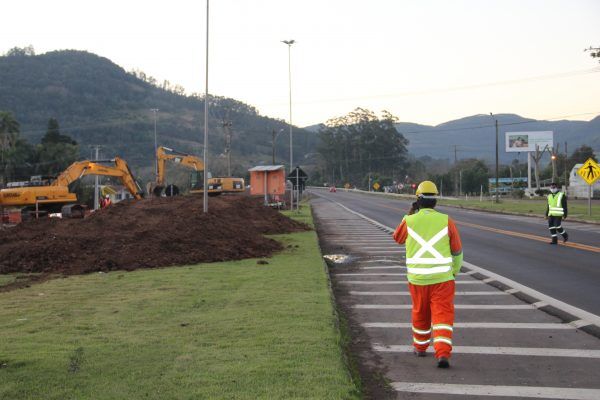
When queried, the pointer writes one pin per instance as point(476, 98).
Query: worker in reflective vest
point(433, 259)
point(556, 211)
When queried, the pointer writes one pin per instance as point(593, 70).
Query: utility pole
point(155, 110)
point(456, 178)
point(565, 172)
point(205, 154)
point(227, 127)
point(497, 200)
point(96, 187)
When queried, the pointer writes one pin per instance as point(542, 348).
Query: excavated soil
point(150, 233)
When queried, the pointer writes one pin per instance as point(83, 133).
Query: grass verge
point(235, 330)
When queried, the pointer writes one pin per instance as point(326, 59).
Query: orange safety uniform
point(431, 283)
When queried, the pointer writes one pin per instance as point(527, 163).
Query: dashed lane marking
point(508, 351)
point(498, 390)
point(478, 325)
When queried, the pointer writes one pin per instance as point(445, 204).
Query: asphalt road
point(515, 247)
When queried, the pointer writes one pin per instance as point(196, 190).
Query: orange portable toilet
point(267, 180)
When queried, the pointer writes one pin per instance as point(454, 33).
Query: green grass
point(577, 209)
point(235, 330)
point(6, 279)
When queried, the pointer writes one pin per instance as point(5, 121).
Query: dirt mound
point(150, 233)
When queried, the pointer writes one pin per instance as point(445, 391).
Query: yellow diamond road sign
point(376, 186)
point(590, 171)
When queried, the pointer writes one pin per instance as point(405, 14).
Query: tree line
point(20, 159)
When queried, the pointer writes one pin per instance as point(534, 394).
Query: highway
point(515, 247)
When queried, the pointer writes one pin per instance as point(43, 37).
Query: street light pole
point(497, 188)
point(155, 110)
point(205, 172)
point(289, 44)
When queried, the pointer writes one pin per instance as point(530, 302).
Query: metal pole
point(154, 110)
point(497, 191)
point(205, 174)
point(96, 202)
point(297, 189)
point(290, 86)
point(273, 145)
point(590, 200)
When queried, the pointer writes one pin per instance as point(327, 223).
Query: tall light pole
point(155, 111)
point(289, 44)
point(205, 174)
point(497, 188)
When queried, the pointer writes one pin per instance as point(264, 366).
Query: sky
point(426, 61)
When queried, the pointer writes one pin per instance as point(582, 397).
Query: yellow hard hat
point(427, 187)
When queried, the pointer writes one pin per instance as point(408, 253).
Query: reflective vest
point(555, 205)
point(428, 254)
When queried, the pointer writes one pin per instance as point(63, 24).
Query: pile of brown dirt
point(150, 233)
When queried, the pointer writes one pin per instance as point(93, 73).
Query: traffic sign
point(298, 178)
point(376, 186)
point(590, 171)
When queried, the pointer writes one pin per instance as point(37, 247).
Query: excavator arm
point(81, 168)
point(164, 154)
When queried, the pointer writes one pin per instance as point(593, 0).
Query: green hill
point(97, 102)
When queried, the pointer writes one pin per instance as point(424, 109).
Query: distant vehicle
point(332, 189)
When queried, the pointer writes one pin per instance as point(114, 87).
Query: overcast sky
point(426, 61)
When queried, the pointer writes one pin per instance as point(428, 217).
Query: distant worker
point(556, 211)
point(433, 259)
point(105, 202)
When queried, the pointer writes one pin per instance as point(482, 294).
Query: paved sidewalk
point(503, 347)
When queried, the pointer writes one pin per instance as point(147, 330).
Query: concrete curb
point(580, 319)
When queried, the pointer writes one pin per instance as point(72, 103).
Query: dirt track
point(150, 233)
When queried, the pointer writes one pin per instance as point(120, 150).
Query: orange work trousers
point(433, 316)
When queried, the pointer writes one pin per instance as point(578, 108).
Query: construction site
point(148, 233)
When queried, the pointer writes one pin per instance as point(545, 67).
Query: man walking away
point(556, 211)
point(433, 259)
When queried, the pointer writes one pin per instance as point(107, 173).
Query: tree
point(53, 134)
point(474, 174)
point(9, 134)
point(360, 143)
point(594, 52)
point(57, 151)
point(18, 51)
point(581, 154)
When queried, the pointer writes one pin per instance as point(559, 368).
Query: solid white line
point(403, 282)
point(383, 259)
point(487, 325)
point(386, 267)
point(505, 351)
point(373, 274)
point(456, 306)
point(499, 391)
point(495, 293)
point(582, 314)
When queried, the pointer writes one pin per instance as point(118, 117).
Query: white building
point(578, 188)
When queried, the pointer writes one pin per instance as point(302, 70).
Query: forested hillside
point(96, 102)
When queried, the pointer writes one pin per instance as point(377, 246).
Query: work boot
point(565, 237)
point(443, 362)
point(554, 241)
point(420, 353)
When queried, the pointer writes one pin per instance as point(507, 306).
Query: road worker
point(433, 259)
point(556, 211)
point(105, 202)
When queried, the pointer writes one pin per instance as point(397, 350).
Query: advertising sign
point(526, 141)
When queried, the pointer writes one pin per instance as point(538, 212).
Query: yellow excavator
point(215, 187)
point(48, 196)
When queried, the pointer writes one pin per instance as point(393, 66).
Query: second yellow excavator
point(215, 186)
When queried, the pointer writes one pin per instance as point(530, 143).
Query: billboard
point(526, 141)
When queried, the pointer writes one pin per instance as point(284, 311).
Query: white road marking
point(499, 390)
point(373, 274)
point(402, 282)
point(494, 293)
point(456, 306)
point(486, 325)
point(505, 351)
point(386, 267)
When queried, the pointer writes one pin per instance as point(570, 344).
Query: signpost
point(590, 172)
point(298, 179)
